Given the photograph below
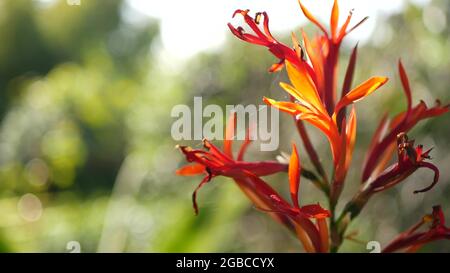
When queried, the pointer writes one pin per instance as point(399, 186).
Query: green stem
point(351, 210)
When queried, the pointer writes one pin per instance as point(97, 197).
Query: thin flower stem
point(351, 210)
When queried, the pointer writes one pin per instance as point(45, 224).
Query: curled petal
point(403, 122)
point(250, 22)
point(205, 180)
point(281, 51)
point(239, 32)
point(266, 26)
point(435, 179)
point(409, 160)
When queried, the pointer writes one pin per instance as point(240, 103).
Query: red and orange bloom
point(309, 107)
point(308, 211)
point(265, 38)
point(313, 85)
point(317, 235)
point(214, 162)
point(412, 239)
point(383, 145)
point(312, 72)
point(410, 159)
point(323, 52)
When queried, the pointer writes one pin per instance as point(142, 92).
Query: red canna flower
point(383, 145)
point(412, 239)
point(313, 99)
point(213, 162)
point(265, 38)
point(301, 215)
point(309, 107)
point(313, 85)
point(323, 52)
point(409, 160)
point(308, 211)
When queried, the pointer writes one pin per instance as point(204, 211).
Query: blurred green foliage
point(85, 128)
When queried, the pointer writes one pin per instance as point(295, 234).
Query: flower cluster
point(312, 68)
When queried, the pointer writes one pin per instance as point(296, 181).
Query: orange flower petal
point(334, 20)
point(348, 144)
point(312, 18)
point(360, 92)
point(317, 121)
point(322, 121)
point(294, 175)
point(301, 81)
point(276, 66)
point(285, 106)
point(324, 234)
point(229, 136)
point(351, 137)
point(191, 169)
point(315, 55)
point(300, 97)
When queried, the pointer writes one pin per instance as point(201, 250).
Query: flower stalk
point(312, 70)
